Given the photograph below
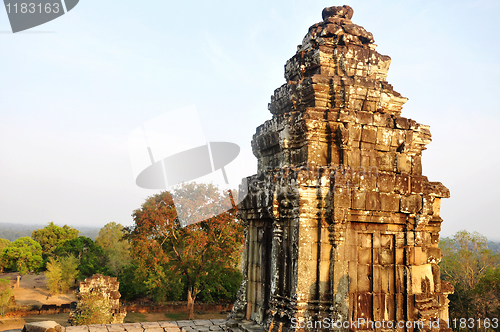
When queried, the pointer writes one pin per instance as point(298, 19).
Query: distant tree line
point(13, 232)
point(474, 271)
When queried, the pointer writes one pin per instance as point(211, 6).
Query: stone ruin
point(341, 225)
point(108, 288)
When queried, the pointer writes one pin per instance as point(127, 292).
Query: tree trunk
point(190, 305)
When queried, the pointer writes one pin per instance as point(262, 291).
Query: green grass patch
point(176, 316)
point(134, 317)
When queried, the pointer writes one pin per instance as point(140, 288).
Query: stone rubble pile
point(108, 287)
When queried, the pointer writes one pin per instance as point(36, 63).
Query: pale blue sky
point(72, 90)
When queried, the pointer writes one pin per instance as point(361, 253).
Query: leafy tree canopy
point(61, 273)
point(465, 264)
point(52, 236)
point(167, 253)
point(116, 249)
point(4, 243)
point(90, 256)
point(23, 255)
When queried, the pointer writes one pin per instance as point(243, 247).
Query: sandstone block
point(402, 184)
point(386, 161)
point(384, 138)
point(148, 325)
point(386, 182)
point(168, 324)
point(437, 189)
point(369, 134)
point(346, 116)
point(114, 328)
point(398, 138)
point(402, 123)
point(83, 328)
point(373, 201)
point(364, 118)
point(366, 146)
point(403, 163)
point(218, 321)
point(358, 199)
point(382, 120)
point(411, 204)
point(364, 159)
point(45, 326)
point(389, 202)
point(342, 199)
point(416, 166)
point(367, 181)
point(153, 329)
point(203, 322)
point(354, 157)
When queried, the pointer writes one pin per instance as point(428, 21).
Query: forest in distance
point(158, 260)
point(12, 232)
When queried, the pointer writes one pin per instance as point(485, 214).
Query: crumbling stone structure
point(342, 226)
point(107, 288)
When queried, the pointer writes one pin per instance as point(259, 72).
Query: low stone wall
point(181, 307)
point(46, 309)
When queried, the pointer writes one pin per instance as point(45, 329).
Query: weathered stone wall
point(341, 223)
point(108, 287)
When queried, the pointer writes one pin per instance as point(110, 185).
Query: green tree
point(69, 267)
point(116, 249)
point(5, 294)
point(61, 273)
point(52, 236)
point(488, 289)
point(90, 256)
point(4, 243)
point(23, 255)
point(168, 254)
point(54, 276)
point(466, 259)
point(222, 287)
point(132, 286)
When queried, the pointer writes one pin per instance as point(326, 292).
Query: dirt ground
point(33, 291)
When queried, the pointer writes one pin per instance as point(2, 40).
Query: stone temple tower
point(342, 227)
